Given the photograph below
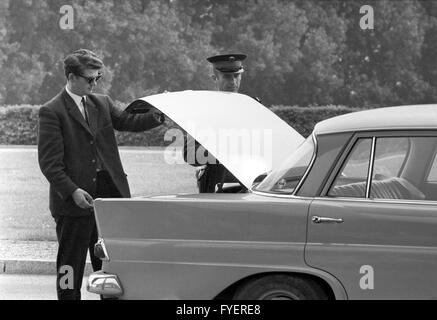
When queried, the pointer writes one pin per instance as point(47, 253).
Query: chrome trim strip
point(394, 128)
point(348, 199)
point(271, 194)
point(205, 243)
point(370, 169)
point(377, 200)
point(276, 195)
point(211, 264)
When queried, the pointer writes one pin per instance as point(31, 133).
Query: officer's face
point(84, 83)
point(228, 81)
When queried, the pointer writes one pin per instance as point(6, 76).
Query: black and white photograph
point(218, 152)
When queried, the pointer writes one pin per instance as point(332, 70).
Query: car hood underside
point(244, 135)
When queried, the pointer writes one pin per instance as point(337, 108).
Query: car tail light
point(100, 250)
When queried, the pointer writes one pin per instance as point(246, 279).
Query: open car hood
point(244, 135)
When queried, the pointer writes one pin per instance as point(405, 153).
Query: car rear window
point(286, 178)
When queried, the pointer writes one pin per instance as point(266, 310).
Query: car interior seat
point(391, 188)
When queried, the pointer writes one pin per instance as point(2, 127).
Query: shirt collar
point(77, 99)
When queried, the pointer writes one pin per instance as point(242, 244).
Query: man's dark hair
point(80, 60)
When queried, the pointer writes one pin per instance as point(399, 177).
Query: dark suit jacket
point(67, 147)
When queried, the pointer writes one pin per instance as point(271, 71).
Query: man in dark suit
point(227, 72)
point(78, 155)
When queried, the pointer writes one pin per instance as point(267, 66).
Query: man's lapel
point(92, 114)
point(74, 112)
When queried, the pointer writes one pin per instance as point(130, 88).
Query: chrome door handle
point(317, 219)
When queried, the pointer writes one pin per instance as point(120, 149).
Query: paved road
point(33, 287)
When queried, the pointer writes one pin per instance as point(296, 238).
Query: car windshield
point(287, 176)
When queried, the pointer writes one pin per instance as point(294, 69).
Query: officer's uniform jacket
point(214, 172)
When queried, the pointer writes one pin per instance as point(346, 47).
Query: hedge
point(303, 120)
point(18, 124)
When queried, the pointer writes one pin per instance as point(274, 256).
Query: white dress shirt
point(78, 100)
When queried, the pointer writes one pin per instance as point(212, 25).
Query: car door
point(372, 227)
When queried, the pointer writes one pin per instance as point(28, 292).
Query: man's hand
point(82, 199)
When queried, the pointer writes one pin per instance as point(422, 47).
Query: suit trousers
point(76, 236)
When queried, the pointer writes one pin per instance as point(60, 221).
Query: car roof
point(389, 118)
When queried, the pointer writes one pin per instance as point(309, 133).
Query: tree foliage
point(301, 52)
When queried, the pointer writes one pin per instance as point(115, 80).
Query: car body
point(348, 213)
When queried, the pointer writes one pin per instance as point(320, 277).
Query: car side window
point(352, 178)
point(403, 168)
point(399, 167)
point(390, 155)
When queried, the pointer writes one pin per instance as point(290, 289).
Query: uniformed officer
point(227, 72)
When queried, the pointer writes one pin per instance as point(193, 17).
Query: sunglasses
point(91, 79)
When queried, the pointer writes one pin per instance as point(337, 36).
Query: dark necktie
point(85, 110)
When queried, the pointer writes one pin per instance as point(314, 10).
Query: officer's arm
point(51, 153)
point(123, 121)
